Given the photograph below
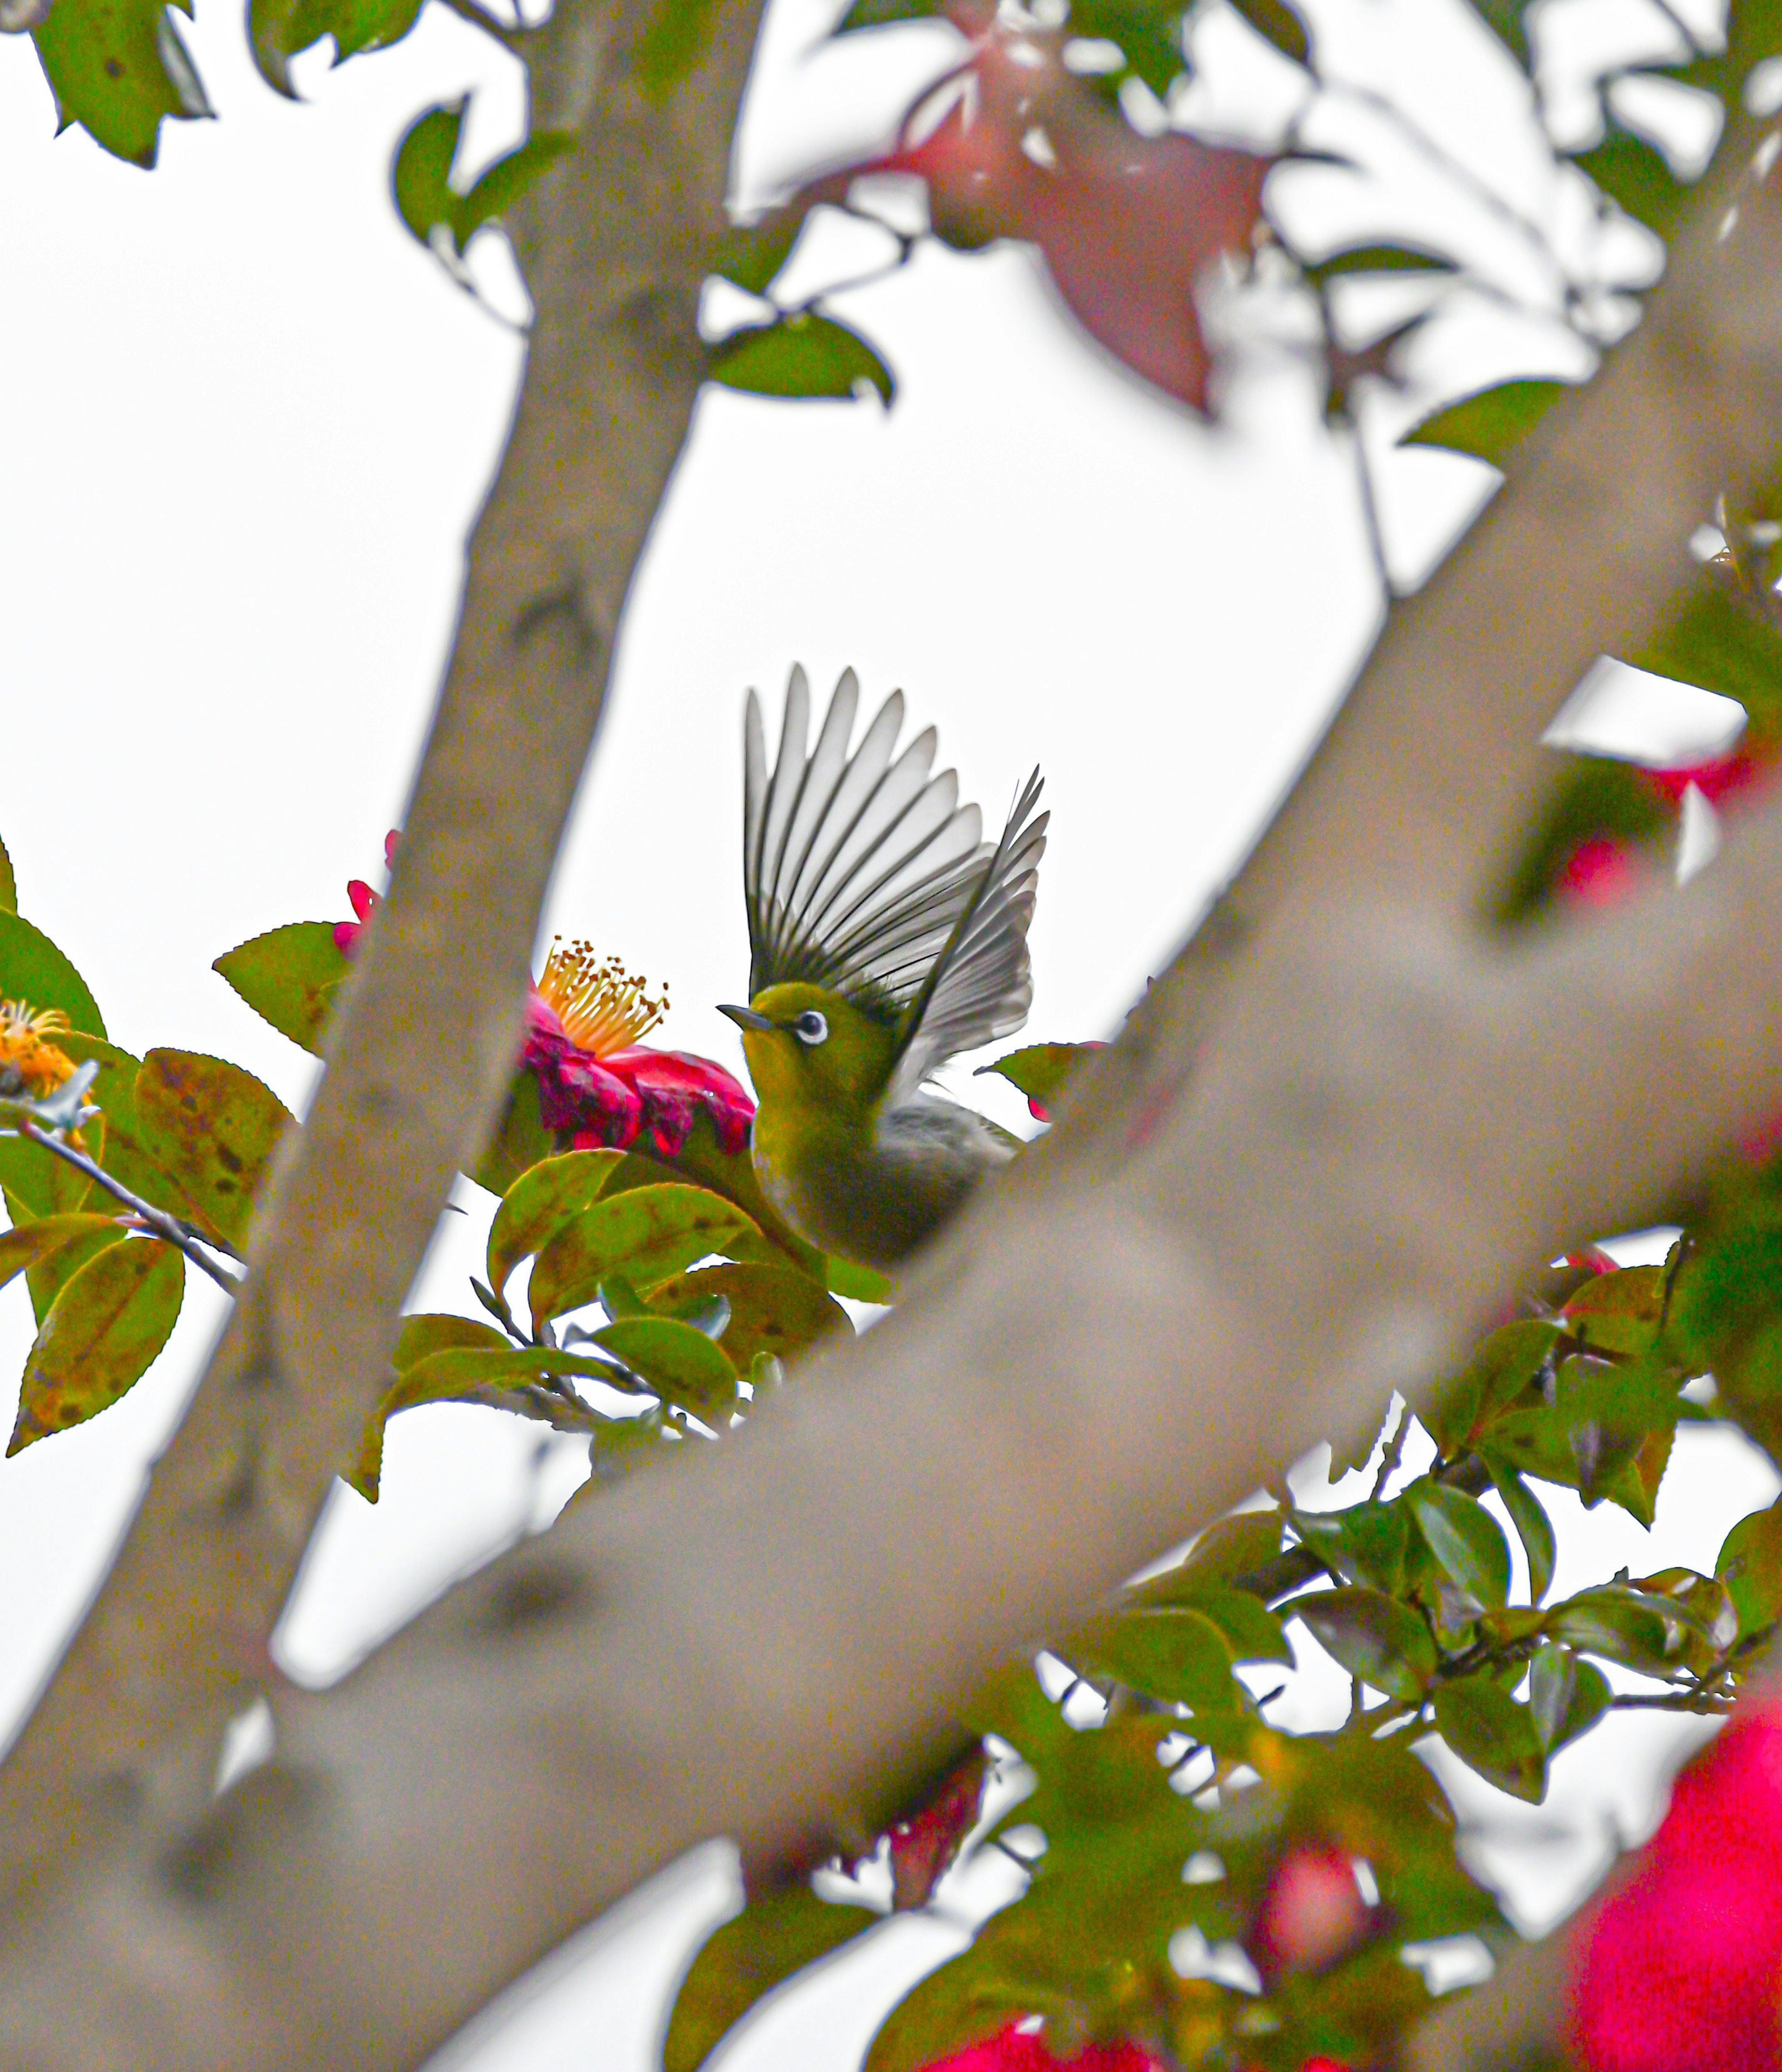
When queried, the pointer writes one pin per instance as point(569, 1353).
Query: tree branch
point(615, 243)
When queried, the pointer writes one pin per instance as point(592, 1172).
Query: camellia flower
point(1018, 2050)
point(1681, 1970)
point(1598, 872)
point(364, 899)
point(1312, 1913)
point(31, 1067)
point(598, 1083)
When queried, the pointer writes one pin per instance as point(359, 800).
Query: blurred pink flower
point(1014, 2049)
point(1720, 777)
point(1598, 872)
point(1682, 1969)
point(1312, 1913)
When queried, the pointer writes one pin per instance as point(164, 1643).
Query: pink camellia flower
point(1018, 2050)
point(1013, 145)
point(1313, 1913)
point(1720, 777)
point(1598, 872)
point(1682, 1969)
point(364, 899)
point(597, 1082)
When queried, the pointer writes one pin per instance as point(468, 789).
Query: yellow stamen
point(28, 1064)
point(602, 1007)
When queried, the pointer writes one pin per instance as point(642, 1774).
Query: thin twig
point(1393, 1453)
point(157, 1220)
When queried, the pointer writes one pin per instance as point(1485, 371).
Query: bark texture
point(617, 244)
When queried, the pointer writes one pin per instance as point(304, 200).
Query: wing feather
point(862, 873)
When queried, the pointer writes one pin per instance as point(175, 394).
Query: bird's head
point(808, 1045)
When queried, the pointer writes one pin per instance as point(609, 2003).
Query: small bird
point(885, 936)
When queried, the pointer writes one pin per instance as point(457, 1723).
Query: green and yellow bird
point(885, 936)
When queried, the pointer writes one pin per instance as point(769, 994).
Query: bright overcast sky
point(246, 422)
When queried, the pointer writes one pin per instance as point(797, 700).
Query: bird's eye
point(810, 1027)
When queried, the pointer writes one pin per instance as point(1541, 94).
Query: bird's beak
point(745, 1017)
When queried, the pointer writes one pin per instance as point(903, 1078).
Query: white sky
point(245, 424)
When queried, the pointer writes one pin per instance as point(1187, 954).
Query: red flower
point(1012, 145)
point(1681, 1971)
point(598, 1083)
point(1598, 872)
point(1312, 1912)
point(1720, 777)
point(347, 933)
point(1014, 2049)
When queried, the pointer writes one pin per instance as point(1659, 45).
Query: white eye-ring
point(810, 1027)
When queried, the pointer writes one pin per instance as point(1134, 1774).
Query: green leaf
point(1717, 643)
point(1619, 1625)
point(538, 1204)
point(645, 1233)
point(278, 29)
point(881, 14)
point(1465, 1539)
point(1231, 1548)
point(289, 977)
point(421, 172)
point(9, 888)
point(1041, 1071)
point(1278, 25)
point(752, 254)
point(1533, 1527)
point(1507, 1364)
point(1505, 18)
point(1596, 796)
point(1493, 1734)
point(1634, 174)
point(418, 1381)
point(680, 1363)
point(501, 185)
point(1250, 1630)
point(29, 1243)
point(1372, 1636)
point(802, 355)
point(100, 1336)
point(1566, 1697)
point(34, 971)
point(1367, 1543)
point(1749, 1565)
point(434, 1331)
point(116, 67)
point(47, 1277)
point(1149, 32)
point(1491, 425)
point(1376, 259)
point(859, 1284)
point(773, 1309)
point(520, 1140)
point(1178, 1656)
point(212, 1128)
point(774, 1937)
point(1618, 1313)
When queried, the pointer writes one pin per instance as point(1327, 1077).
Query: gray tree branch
point(616, 246)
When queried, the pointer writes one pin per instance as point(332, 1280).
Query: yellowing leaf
point(100, 1336)
point(538, 1204)
point(212, 1127)
point(644, 1235)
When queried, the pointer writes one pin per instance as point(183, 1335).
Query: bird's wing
point(858, 868)
point(981, 984)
